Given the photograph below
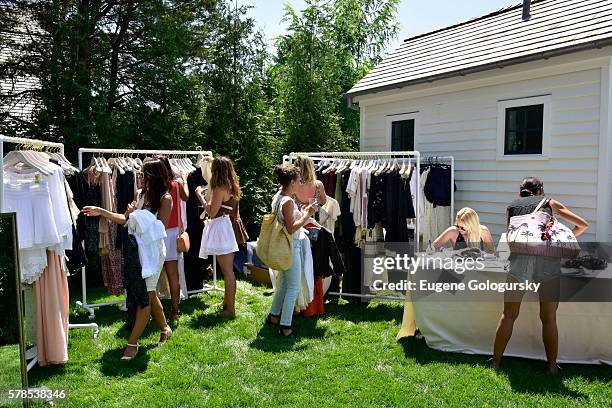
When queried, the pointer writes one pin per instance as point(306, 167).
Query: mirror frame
point(20, 308)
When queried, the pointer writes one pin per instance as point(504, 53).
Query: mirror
point(13, 375)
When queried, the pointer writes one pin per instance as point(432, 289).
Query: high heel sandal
point(291, 335)
point(175, 316)
point(272, 316)
point(128, 358)
point(164, 336)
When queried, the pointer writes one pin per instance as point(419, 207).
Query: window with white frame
point(401, 129)
point(523, 128)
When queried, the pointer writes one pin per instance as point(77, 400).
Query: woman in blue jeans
point(289, 213)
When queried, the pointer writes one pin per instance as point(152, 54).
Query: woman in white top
point(289, 213)
point(154, 197)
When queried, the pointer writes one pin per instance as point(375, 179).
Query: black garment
point(461, 244)
point(437, 186)
point(376, 200)
point(351, 281)
point(346, 217)
point(124, 190)
point(398, 208)
point(87, 228)
point(324, 249)
point(135, 285)
point(76, 257)
point(195, 267)
point(526, 205)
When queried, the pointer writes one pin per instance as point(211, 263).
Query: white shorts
point(170, 240)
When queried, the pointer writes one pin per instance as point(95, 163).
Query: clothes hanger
point(16, 157)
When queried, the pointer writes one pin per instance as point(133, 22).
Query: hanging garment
point(417, 192)
point(329, 183)
point(111, 263)
point(437, 219)
point(329, 213)
point(126, 194)
point(52, 313)
point(76, 257)
point(325, 254)
point(437, 187)
point(398, 208)
point(195, 267)
point(376, 201)
point(317, 306)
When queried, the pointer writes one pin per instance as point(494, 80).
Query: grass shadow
point(524, 375)
point(112, 366)
point(358, 312)
point(269, 340)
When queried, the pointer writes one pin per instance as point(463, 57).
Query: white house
point(508, 96)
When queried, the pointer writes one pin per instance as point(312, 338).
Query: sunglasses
point(460, 227)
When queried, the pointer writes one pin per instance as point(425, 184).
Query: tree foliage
point(175, 74)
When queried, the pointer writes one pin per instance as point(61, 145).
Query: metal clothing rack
point(89, 307)
point(43, 145)
point(412, 155)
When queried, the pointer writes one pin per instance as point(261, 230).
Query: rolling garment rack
point(49, 146)
point(89, 307)
point(415, 157)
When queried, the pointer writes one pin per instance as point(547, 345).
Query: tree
point(328, 47)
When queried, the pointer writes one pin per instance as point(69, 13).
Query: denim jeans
point(288, 287)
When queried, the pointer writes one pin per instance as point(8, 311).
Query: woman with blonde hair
point(309, 188)
point(467, 231)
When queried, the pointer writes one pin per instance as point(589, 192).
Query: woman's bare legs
point(175, 289)
point(226, 262)
point(512, 306)
point(142, 319)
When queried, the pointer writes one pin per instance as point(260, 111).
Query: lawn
point(347, 358)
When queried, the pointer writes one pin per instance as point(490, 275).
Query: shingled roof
point(495, 40)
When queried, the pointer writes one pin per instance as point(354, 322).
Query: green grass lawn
point(347, 358)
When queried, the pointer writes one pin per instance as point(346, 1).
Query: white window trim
point(398, 118)
point(501, 127)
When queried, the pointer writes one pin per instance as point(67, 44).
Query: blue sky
point(415, 16)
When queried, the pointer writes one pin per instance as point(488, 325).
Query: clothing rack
point(320, 156)
point(39, 144)
point(412, 155)
point(89, 307)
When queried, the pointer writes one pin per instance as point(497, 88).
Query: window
point(402, 135)
point(523, 128)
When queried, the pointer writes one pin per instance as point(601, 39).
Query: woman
point(178, 191)
point(466, 231)
point(154, 197)
point(309, 188)
point(541, 269)
point(224, 231)
point(288, 212)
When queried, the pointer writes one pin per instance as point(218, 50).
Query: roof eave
point(485, 67)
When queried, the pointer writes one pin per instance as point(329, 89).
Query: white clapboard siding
point(464, 124)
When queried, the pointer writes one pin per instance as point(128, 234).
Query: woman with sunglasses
point(467, 232)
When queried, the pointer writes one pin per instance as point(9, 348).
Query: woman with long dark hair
point(541, 269)
point(179, 192)
point(224, 230)
point(155, 198)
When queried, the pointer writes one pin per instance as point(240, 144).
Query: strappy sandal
point(491, 365)
point(175, 316)
point(558, 367)
point(164, 336)
point(290, 336)
point(128, 358)
point(273, 316)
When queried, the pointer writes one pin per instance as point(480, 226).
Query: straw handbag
point(275, 244)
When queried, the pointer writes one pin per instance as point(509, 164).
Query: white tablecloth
point(585, 329)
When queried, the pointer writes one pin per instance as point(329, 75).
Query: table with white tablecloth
point(458, 323)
